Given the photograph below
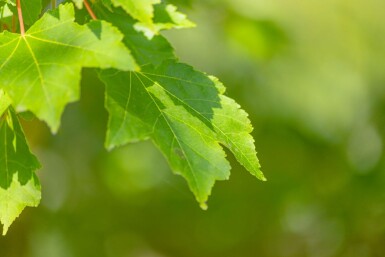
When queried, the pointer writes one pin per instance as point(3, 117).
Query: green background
point(311, 75)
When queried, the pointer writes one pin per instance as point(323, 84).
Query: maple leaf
point(140, 108)
point(145, 51)
point(152, 15)
point(19, 186)
point(40, 70)
point(184, 112)
point(141, 10)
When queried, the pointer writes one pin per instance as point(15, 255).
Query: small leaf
point(5, 101)
point(5, 11)
point(166, 17)
point(145, 51)
point(152, 15)
point(78, 3)
point(141, 10)
point(40, 71)
point(19, 186)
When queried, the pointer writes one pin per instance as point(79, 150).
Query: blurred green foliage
point(311, 74)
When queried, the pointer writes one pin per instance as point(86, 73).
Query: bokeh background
point(310, 73)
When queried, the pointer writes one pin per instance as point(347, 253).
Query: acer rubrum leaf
point(145, 51)
point(40, 71)
point(5, 101)
point(152, 15)
point(5, 11)
point(203, 97)
point(186, 115)
point(183, 111)
point(141, 10)
point(233, 129)
point(19, 186)
point(183, 92)
point(166, 17)
point(78, 3)
point(188, 144)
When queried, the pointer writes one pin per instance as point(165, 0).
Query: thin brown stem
point(53, 4)
point(20, 14)
point(89, 10)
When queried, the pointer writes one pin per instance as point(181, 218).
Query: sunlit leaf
point(152, 15)
point(40, 71)
point(182, 110)
point(19, 186)
point(145, 51)
point(148, 111)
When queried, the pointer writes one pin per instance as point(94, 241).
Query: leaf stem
point(53, 4)
point(89, 10)
point(20, 14)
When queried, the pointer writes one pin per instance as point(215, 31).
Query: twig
point(20, 14)
point(89, 10)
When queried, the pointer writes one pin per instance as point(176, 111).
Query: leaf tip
point(109, 147)
point(5, 230)
point(6, 224)
point(259, 174)
point(203, 206)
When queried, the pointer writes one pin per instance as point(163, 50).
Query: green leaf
point(188, 144)
point(233, 129)
point(145, 51)
point(78, 3)
point(19, 186)
point(184, 112)
point(5, 101)
point(203, 97)
point(141, 10)
point(166, 17)
point(172, 104)
point(152, 15)
point(5, 11)
point(40, 71)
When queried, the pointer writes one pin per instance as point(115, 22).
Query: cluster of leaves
point(149, 93)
